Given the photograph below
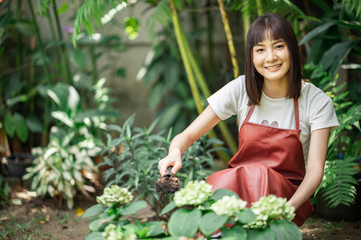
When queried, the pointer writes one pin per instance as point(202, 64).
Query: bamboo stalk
point(65, 66)
point(259, 7)
point(228, 31)
point(182, 48)
point(190, 63)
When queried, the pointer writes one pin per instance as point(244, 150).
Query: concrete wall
point(131, 93)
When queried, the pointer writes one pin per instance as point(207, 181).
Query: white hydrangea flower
point(194, 193)
point(113, 232)
point(269, 208)
point(115, 195)
point(228, 205)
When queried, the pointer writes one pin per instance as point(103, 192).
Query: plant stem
point(67, 74)
point(228, 31)
point(46, 69)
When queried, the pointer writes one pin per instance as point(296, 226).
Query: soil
point(36, 218)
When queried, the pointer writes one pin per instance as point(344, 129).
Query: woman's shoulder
point(310, 91)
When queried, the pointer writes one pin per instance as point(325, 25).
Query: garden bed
point(37, 218)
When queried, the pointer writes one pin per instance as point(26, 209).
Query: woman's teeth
point(273, 67)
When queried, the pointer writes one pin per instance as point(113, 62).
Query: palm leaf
point(91, 12)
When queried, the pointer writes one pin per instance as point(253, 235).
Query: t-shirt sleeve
point(225, 101)
point(322, 112)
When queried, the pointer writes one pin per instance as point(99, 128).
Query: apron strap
point(295, 101)
point(296, 114)
point(249, 113)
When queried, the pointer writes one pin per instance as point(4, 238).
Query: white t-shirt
point(316, 109)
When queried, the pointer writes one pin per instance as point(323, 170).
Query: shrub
point(133, 155)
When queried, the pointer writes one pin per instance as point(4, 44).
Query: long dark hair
point(278, 28)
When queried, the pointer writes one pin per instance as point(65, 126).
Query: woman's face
point(271, 59)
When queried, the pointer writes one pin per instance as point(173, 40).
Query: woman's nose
point(271, 56)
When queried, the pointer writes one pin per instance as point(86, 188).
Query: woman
point(284, 122)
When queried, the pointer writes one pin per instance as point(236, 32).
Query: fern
point(339, 183)
point(91, 12)
point(283, 7)
point(353, 5)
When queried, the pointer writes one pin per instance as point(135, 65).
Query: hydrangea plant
point(195, 211)
point(269, 208)
point(194, 193)
point(115, 195)
point(228, 205)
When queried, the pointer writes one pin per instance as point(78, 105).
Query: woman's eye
point(279, 46)
point(259, 50)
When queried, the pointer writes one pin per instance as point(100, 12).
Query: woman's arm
point(200, 126)
point(315, 167)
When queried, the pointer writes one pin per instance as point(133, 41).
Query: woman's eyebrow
point(274, 43)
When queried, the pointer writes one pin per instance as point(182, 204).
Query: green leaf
point(34, 124)
point(316, 32)
point(220, 193)
point(184, 222)
point(121, 72)
point(246, 216)
point(134, 207)
point(211, 222)
point(170, 206)
point(155, 228)
point(284, 229)
point(9, 125)
point(95, 236)
point(79, 58)
point(94, 225)
point(63, 8)
point(332, 58)
point(93, 210)
point(25, 27)
point(234, 233)
point(261, 234)
point(21, 128)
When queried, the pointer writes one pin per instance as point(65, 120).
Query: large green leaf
point(34, 124)
point(246, 216)
point(184, 222)
point(93, 210)
point(211, 222)
point(95, 236)
point(316, 32)
point(220, 193)
point(234, 233)
point(134, 207)
point(79, 58)
point(9, 124)
point(284, 229)
point(261, 234)
point(21, 128)
point(65, 96)
point(170, 206)
point(332, 59)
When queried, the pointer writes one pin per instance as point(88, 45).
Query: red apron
point(269, 161)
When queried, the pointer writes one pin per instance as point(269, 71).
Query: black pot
point(17, 163)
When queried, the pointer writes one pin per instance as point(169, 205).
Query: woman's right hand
point(170, 160)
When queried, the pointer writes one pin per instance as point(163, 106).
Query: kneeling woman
point(284, 122)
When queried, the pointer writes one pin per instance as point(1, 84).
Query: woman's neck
point(275, 89)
